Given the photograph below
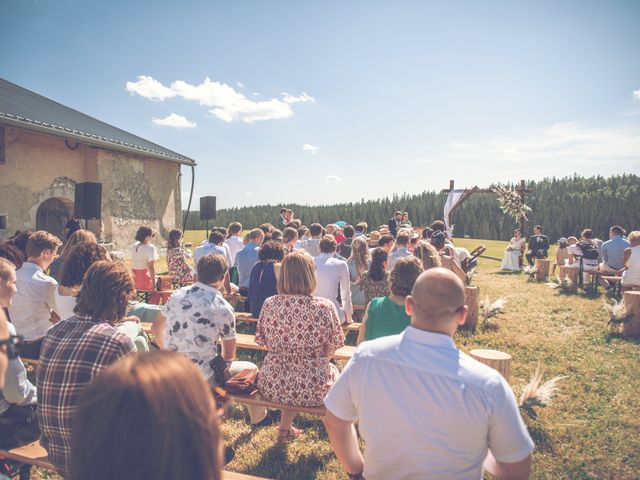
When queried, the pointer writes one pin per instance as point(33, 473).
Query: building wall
point(137, 190)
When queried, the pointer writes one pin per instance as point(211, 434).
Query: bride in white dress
point(513, 252)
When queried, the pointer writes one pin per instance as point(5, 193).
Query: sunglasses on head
point(12, 344)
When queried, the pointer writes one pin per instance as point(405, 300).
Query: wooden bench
point(616, 282)
point(34, 454)
point(256, 399)
point(244, 340)
point(247, 317)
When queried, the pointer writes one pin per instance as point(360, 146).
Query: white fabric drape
point(452, 200)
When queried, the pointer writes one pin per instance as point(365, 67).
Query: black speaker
point(207, 208)
point(88, 201)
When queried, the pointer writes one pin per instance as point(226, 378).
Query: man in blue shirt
point(613, 251)
point(213, 246)
point(247, 258)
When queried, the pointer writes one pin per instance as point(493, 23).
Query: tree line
point(563, 206)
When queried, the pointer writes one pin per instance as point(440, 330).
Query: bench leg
point(25, 472)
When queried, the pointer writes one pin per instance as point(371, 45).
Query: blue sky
point(388, 97)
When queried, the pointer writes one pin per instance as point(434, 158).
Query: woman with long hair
point(143, 263)
point(375, 281)
point(55, 269)
point(179, 268)
point(148, 415)
point(301, 332)
point(427, 254)
point(358, 263)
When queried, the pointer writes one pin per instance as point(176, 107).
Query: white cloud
point(228, 104)
point(240, 84)
point(247, 194)
point(310, 148)
point(304, 97)
point(636, 94)
point(332, 178)
point(150, 88)
point(174, 120)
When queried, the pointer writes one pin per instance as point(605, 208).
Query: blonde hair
point(428, 255)
point(634, 236)
point(77, 237)
point(6, 267)
point(360, 255)
point(297, 274)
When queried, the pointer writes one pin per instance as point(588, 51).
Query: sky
point(322, 102)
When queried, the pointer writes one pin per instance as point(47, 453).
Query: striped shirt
point(74, 351)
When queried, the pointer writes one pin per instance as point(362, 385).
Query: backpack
point(589, 252)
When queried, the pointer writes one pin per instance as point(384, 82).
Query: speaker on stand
point(207, 210)
point(88, 201)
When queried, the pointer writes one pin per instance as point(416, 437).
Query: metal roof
point(23, 108)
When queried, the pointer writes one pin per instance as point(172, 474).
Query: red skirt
point(142, 281)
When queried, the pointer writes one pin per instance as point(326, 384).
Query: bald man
point(426, 409)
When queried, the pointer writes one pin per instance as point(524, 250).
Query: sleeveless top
point(632, 275)
point(385, 318)
point(262, 285)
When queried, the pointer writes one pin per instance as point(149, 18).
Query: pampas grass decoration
point(537, 394)
point(618, 314)
point(489, 310)
point(511, 203)
point(563, 286)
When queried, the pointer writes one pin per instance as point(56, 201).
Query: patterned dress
point(374, 289)
point(179, 269)
point(296, 329)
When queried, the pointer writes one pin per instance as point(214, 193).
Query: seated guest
point(234, 240)
point(386, 315)
point(562, 254)
point(12, 253)
point(143, 263)
point(213, 246)
point(20, 239)
point(18, 396)
point(196, 317)
point(513, 252)
point(344, 248)
point(582, 254)
point(631, 269)
point(179, 268)
point(613, 251)
point(75, 351)
point(426, 233)
point(457, 415)
point(247, 258)
point(301, 332)
point(30, 311)
point(147, 403)
point(358, 263)
point(72, 240)
point(289, 239)
point(339, 236)
point(312, 245)
point(276, 236)
point(361, 229)
point(73, 225)
point(538, 245)
point(447, 252)
point(374, 238)
point(224, 245)
point(333, 278)
point(262, 284)
point(427, 254)
point(77, 262)
point(386, 242)
point(402, 248)
point(375, 281)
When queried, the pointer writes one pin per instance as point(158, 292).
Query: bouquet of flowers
point(511, 203)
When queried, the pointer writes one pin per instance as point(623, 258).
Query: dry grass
point(590, 431)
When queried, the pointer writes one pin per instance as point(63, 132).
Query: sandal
point(288, 435)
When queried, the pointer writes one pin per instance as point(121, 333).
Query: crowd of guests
point(303, 284)
point(585, 252)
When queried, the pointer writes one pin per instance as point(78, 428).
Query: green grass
point(589, 432)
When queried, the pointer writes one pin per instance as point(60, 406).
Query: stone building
point(46, 148)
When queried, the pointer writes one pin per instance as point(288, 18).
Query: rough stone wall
point(136, 190)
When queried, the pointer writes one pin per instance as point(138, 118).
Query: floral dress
point(179, 269)
point(373, 289)
point(296, 329)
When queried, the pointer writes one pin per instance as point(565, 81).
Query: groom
point(538, 245)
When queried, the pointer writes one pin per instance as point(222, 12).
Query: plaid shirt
point(73, 353)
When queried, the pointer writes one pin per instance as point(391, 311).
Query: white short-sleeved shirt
point(444, 409)
point(64, 305)
point(30, 310)
point(587, 264)
point(142, 254)
point(197, 316)
point(400, 252)
point(234, 244)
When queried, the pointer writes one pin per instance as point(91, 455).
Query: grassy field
point(591, 431)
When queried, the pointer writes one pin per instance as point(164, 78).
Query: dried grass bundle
point(489, 310)
point(511, 203)
point(538, 394)
point(618, 314)
point(563, 286)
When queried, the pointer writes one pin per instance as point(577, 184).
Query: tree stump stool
point(495, 359)
point(472, 301)
point(542, 266)
point(632, 303)
point(572, 274)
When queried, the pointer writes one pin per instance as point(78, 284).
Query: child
point(562, 255)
